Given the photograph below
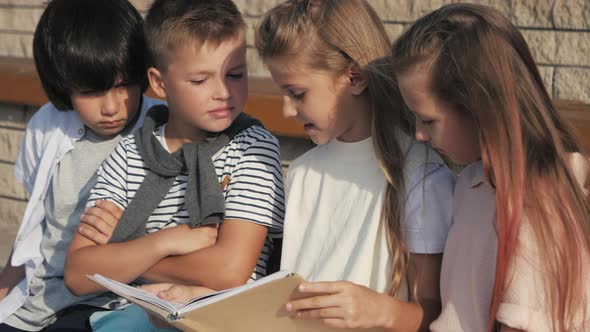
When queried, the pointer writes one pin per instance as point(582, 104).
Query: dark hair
point(86, 45)
point(170, 23)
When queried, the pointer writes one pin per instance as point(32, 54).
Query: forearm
point(10, 277)
point(211, 267)
point(404, 316)
point(123, 262)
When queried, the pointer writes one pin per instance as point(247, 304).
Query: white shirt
point(50, 134)
point(333, 229)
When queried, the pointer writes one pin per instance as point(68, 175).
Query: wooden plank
point(19, 84)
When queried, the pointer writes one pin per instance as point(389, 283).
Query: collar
point(474, 174)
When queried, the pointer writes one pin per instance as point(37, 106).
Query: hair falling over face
point(482, 66)
point(319, 35)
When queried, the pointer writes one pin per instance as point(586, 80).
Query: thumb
point(166, 295)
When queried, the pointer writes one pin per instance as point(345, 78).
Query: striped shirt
point(250, 165)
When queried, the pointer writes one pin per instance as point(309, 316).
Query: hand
point(98, 223)
point(343, 304)
point(3, 292)
point(182, 239)
point(175, 292)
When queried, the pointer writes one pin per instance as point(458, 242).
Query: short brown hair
point(170, 23)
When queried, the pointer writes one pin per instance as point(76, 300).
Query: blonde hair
point(482, 66)
point(332, 35)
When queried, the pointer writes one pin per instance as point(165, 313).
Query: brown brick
point(571, 14)
point(18, 45)
point(20, 19)
point(12, 116)
point(9, 187)
point(572, 84)
point(11, 213)
point(10, 141)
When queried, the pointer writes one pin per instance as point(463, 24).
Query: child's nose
point(421, 133)
point(221, 91)
point(289, 109)
point(109, 103)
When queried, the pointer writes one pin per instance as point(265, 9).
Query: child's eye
point(427, 122)
point(236, 75)
point(297, 96)
point(198, 82)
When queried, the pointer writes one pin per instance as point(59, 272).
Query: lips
point(221, 112)
point(110, 124)
point(308, 126)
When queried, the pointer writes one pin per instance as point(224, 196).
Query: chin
point(218, 126)
point(319, 140)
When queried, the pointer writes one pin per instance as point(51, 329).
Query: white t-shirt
point(332, 224)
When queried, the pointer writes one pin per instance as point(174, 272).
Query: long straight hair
point(482, 66)
point(332, 35)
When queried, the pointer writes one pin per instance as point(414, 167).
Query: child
point(90, 56)
point(517, 255)
point(378, 224)
point(199, 65)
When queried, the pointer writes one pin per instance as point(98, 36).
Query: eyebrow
point(239, 66)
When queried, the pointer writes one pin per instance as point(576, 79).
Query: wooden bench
point(19, 84)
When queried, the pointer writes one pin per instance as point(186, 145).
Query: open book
point(256, 306)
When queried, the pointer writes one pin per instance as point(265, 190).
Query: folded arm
point(127, 261)
point(228, 263)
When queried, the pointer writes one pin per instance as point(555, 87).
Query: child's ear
point(358, 79)
point(156, 82)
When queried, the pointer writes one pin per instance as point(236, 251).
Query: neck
point(177, 134)
point(360, 124)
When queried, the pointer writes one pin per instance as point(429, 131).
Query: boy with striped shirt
point(195, 164)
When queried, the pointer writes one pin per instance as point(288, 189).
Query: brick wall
point(558, 32)
point(13, 196)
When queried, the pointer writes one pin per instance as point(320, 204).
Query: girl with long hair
point(517, 255)
point(367, 215)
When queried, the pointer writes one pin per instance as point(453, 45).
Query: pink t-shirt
point(469, 261)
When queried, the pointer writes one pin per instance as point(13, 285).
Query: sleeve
point(29, 155)
point(429, 208)
point(255, 191)
point(111, 184)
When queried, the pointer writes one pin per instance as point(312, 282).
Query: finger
point(333, 312)
point(155, 288)
point(97, 223)
point(322, 287)
point(177, 293)
point(103, 214)
point(313, 302)
point(111, 207)
point(92, 234)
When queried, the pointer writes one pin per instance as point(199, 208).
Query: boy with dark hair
point(199, 162)
point(91, 60)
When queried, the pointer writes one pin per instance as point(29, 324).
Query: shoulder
point(255, 140)
point(48, 117)
point(312, 155)
point(431, 177)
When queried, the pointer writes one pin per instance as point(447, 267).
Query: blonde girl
point(367, 225)
point(517, 256)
